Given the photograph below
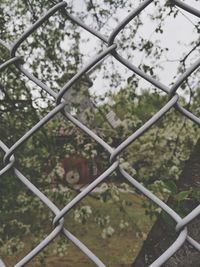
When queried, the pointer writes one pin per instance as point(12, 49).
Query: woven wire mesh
point(111, 50)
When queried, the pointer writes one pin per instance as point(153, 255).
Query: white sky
point(178, 33)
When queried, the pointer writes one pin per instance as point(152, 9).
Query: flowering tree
point(22, 105)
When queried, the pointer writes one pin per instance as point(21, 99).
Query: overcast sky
point(178, 34)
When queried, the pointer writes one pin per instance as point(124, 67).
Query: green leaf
point(167, 219)
point(182, 195)
point(171, 186)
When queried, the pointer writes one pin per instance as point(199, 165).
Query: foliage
point(54, 53)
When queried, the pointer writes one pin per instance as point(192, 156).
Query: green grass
point(118, 250)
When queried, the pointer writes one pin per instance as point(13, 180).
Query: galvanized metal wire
point(110, 50)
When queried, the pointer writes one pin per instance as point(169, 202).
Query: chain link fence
point(111, 50)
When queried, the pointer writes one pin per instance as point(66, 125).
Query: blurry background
point(60, 160)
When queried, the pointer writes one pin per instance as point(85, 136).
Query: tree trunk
point(163, 234)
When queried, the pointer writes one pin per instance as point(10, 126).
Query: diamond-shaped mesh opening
point(115, 151)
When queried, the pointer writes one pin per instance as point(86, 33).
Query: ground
point(119, 250)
